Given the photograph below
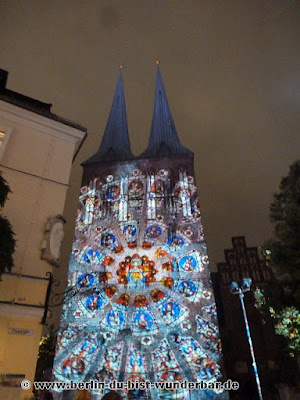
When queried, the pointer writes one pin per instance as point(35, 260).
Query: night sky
point(231, 72)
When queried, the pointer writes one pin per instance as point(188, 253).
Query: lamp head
point(234, 288)
point(246, 284)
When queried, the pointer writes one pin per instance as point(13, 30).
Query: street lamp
point(235, 288)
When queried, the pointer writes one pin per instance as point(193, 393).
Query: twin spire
point(164, 141)
point(115, 145)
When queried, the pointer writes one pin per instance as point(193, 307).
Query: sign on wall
point(20, 331)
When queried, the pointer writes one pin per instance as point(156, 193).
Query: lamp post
point(235, 288)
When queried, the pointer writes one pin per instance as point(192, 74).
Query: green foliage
point(288, 325)
point(7, 245)
point(4, 190)
point(46, 353)
point(283, 295)
point(7, 240)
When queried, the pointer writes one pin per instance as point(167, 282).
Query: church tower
point(142, 307)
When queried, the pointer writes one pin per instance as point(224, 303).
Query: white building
point(36, 153)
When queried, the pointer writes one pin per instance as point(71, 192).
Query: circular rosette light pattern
point(136, 271)
point(143, 306)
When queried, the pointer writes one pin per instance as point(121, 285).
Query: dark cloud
point(231, 72)
point(109, 17)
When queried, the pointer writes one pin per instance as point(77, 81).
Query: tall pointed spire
point(115, 145)
point(163, 140)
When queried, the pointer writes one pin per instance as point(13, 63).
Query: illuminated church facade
point(140, 304)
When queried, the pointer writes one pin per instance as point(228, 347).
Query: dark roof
point(163, 140)
point(30, 104)
point(115, 145)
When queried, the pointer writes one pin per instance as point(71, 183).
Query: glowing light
point(138, 281)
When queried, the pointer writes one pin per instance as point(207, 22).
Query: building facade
point(36, 153)
point(139, 302)
point(244, 262)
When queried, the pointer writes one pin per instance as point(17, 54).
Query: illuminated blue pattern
point(143, 307)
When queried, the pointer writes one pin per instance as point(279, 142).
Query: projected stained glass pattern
point(142, 305)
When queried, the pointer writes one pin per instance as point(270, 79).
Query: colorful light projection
point(144, 307)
